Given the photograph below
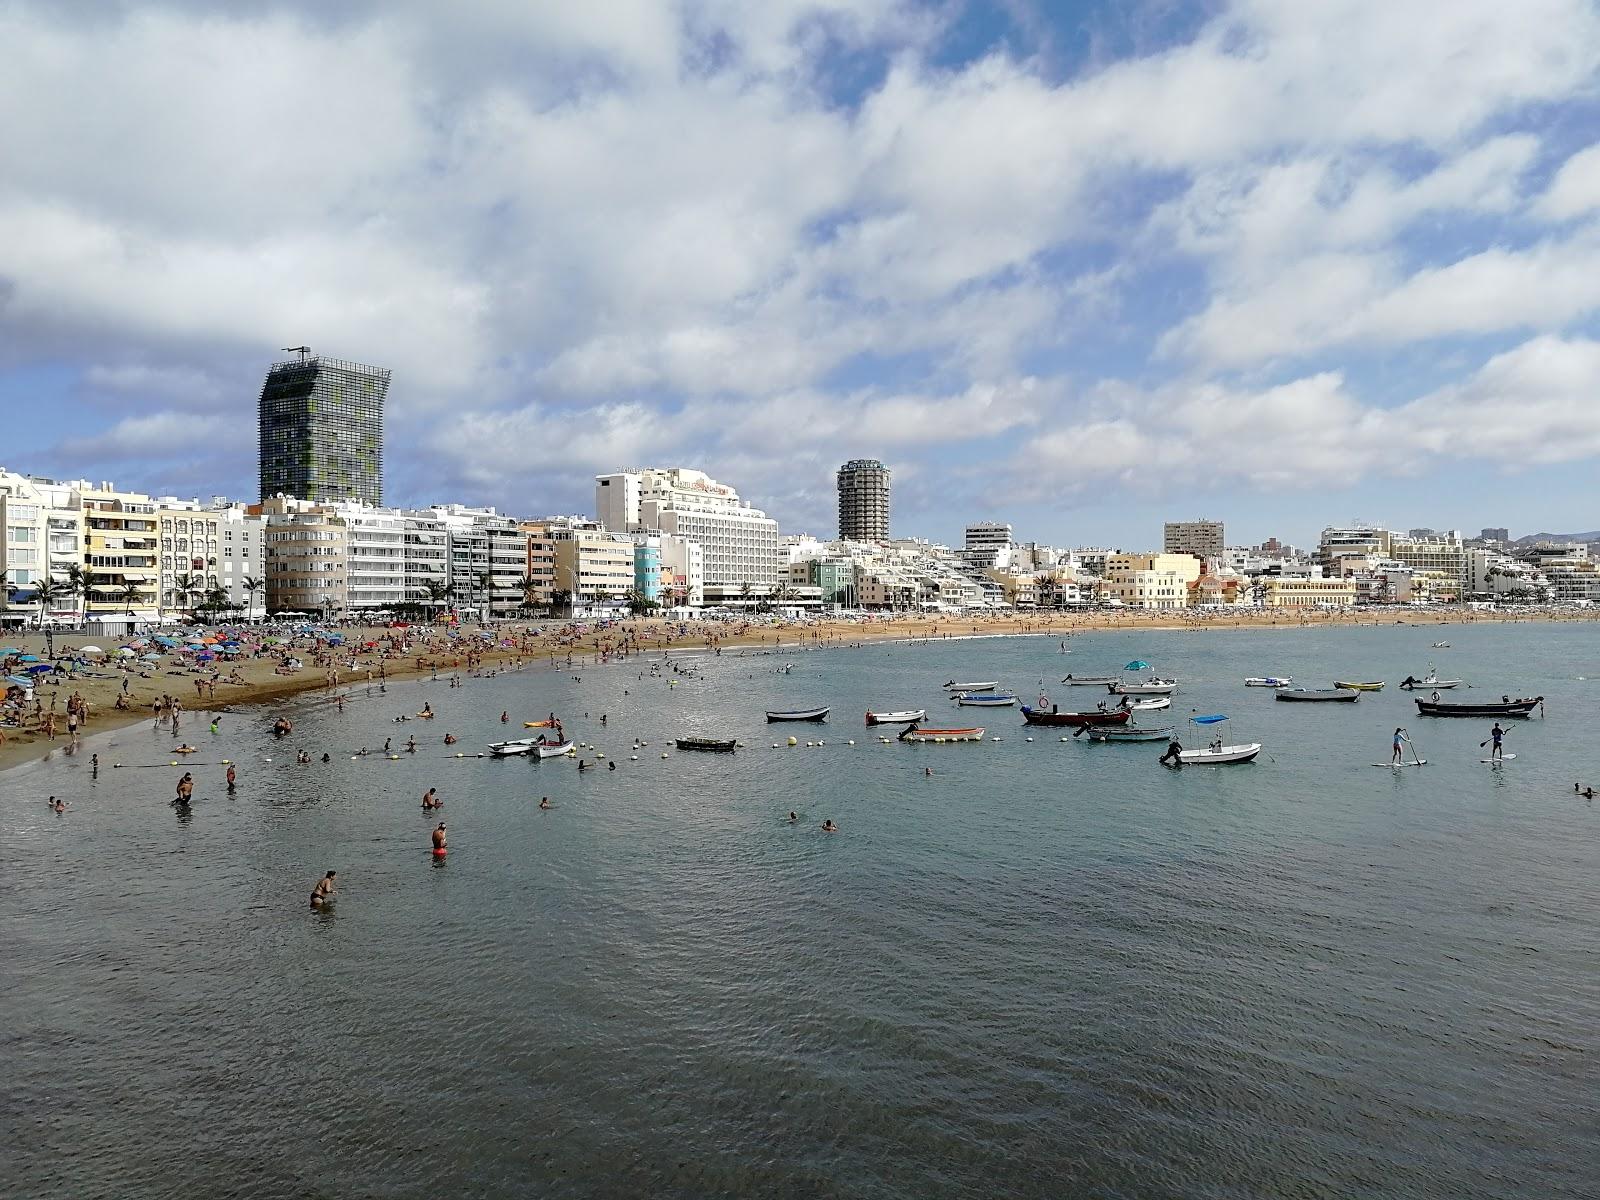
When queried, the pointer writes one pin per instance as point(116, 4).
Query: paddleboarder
point(1400, 743)
point(1497, 736)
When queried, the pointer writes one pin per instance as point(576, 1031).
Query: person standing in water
point(233, 778)
point(323, 893)
point(438, 839)
point(430, 799)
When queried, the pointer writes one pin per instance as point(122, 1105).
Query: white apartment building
point(739, 544)
point(1151, 580)
point(217, 545)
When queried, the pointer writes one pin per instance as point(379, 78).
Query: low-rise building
point(1286, 591)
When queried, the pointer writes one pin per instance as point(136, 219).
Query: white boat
point(1431, 681)
point(1271, 681)
point(984, 700)
point(1146, 687)
point(552, 749)
point(1217, 754)
point(516, 746)
point(983, 686)
point(1153, 703)
point(1441, 645)
point(1089, 680)
point(896, 718)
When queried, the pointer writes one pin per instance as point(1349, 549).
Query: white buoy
point(794, 741)
point(1030, 739)
point(633, 758)
point(663, 754)
point(851, 742)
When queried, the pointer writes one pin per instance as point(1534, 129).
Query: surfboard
point(1398, 765)
point(1502, 758)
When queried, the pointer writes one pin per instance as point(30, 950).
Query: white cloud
point(163, 435)
point(1575, 190)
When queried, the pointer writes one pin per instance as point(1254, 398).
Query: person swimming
point(449, 739)
point(829, 827)
point(57, 805)
point(544, 802)
point(793, 816)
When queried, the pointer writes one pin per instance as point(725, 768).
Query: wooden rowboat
point(916, 733)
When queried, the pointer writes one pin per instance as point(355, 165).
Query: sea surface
point(1048, 969)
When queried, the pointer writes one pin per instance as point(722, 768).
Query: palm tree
point(252, 585)
point(481, 583)
point(185, 585)
point(130, 595)
point(436, 592)
point(529, 583)
point(77, 583)
point(560, 598)
point(745, 591)
point(46, 591)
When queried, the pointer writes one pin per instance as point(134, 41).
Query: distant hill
point(1593, 536)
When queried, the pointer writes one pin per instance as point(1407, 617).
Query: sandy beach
point(373, 653)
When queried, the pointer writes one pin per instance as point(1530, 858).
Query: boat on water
point(1441, 645)
point(800, 714)
point(1153, 702)
point(896, 718)
point(918, 733)
point(515, 746)
point(1127, 733)
point(1506, 707)
point(552, 749)
point(1319, 695)
point(1144, 687)
point(1375, 686)
point(713, 745)
point(1272, 681)
point(984, 700)
point(982, 686)
point(1218, 754)
point(1054, 716)
point(1431, 680)
point(1089, 680)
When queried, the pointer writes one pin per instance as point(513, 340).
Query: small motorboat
point(1430, 681)
point(1127, 733)
point(1319, 695)
point(801, 714)
point(1271, 681)
point(1441, 645)
point(984, 700)
point(916, 733)
point(1375, 686)
point(1154, 702)
point(1216, 754)
point(1145, 687)
point(516, 746)
point(713, 745)
point(552, 749)
point(1089, 680)
point(982, 686)
point(1098, 716)
point(896, 718)
point(1494, 708)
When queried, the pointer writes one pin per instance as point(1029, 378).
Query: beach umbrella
point(126, 652)
point(29, 658)
point(11, 650)
point(19, 680)
point(150, 657)
point(90, 650)
point(1137, 664)
point(36, 668)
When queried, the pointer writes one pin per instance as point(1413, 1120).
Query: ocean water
point(1049, 969)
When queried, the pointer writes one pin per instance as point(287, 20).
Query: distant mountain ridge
point(1530, 539)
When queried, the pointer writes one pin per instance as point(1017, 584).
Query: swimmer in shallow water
point(438, 839)
point(829, 827)
point(57, 805)
point(544, 802)
point(323, 893)
point(793, 816)
point(430, 799)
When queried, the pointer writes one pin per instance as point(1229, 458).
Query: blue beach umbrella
point(1137, 664)
point(11, 650)
point(19, 681)
point(29, 658)
point(36, 668)
point(150, 658)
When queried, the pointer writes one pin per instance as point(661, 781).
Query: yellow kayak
point(1360, 687)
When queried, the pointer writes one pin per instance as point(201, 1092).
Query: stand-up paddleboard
point(1420, 762)
point(1502, 758)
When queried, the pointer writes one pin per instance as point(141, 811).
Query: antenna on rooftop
point(303, 351)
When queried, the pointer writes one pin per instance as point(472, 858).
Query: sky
point(1082, 267)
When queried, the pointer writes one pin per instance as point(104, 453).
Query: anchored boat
point(803, 714)
point(1376, 686)
point(1100, 716)
point(1322, 696)
point(1217, 754)
point(714, 745)
point(1502, 708)
point(1129, 733)
point(983, 686)
point(896, 718)
point(1147, 687)
point(1271, 681)
point(916, 733)
point(1089, 680)
point(984, 700)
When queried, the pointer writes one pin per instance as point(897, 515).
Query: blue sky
point(1082, 267)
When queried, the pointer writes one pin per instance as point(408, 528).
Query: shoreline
point(582, 645)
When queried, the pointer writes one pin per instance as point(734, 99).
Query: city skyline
point(1235, 259)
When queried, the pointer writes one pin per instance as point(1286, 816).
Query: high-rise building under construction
point(321, 429)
